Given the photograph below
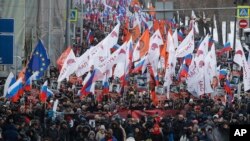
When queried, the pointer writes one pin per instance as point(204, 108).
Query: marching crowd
point(87, 119)
point(90, 119)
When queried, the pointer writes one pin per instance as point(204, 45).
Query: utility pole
point(81, 22)
point(235, 22)
point(67, 34)
point(49, 37)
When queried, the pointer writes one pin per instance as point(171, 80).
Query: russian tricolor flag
point(210, 42)
point(86, 89)
point(49, 92)
point(222, 74)
point(188, 59)
point(138, 66)
point(180, 36)
point(43, 93)
point(28, 83)
point(105, 85)
point(227, 87)
point(90, 37)
point(227, 47)
point(9, 81)
point(114, 48)
point(184, 70)
point(15, 90)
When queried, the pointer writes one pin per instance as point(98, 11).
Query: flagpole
point(67, 40)
point(81, 22)
point(49, 37)
point(45, 126)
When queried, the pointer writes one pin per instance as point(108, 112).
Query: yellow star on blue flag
point(39, 61)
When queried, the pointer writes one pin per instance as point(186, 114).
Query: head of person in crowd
point(109, 134)
point(91, 135)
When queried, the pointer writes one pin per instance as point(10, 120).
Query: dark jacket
point(10, 133)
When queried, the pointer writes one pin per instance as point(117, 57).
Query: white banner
point(187, 45)
point(82, 64)
point(118, 56)
point(68, 65)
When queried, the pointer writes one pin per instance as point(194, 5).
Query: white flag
point(9, 81)
point(55, 105)
point(201, 54)
point(240, 59)
point(187, 45)
point(211, 63)
point(193, 16)
point(118, 56)
point(239, 56)
point(82, 64)
point(208, 81)
point(175, 38)
point(154, 50)
point(102, 50)
point(170, 69)
point(195, 81)
point(119, 70)
point(68, 64)
point(248, 59)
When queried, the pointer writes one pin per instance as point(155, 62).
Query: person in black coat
point(178, 127)
point(117, 131)
point(53, 132)
point(10, 132)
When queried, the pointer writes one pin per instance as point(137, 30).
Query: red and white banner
point(82, 64)
point(68, 65)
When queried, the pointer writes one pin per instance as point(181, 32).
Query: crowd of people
point(95, 118)
point(87, 119)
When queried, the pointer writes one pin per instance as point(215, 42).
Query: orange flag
point(22, 73)
point(156, 25)
point(135, 33)
point(162, 27)
point(154, 98)
point(144, 43)
point(61, 59)
point(126, 33)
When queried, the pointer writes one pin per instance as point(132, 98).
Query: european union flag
point(39, 61)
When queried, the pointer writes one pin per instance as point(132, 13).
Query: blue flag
point(39, 61)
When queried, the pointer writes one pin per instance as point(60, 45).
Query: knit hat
point(102, 127)
point(91, 132)
point(130, 139)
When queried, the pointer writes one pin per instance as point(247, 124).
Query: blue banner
point(6, 49)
